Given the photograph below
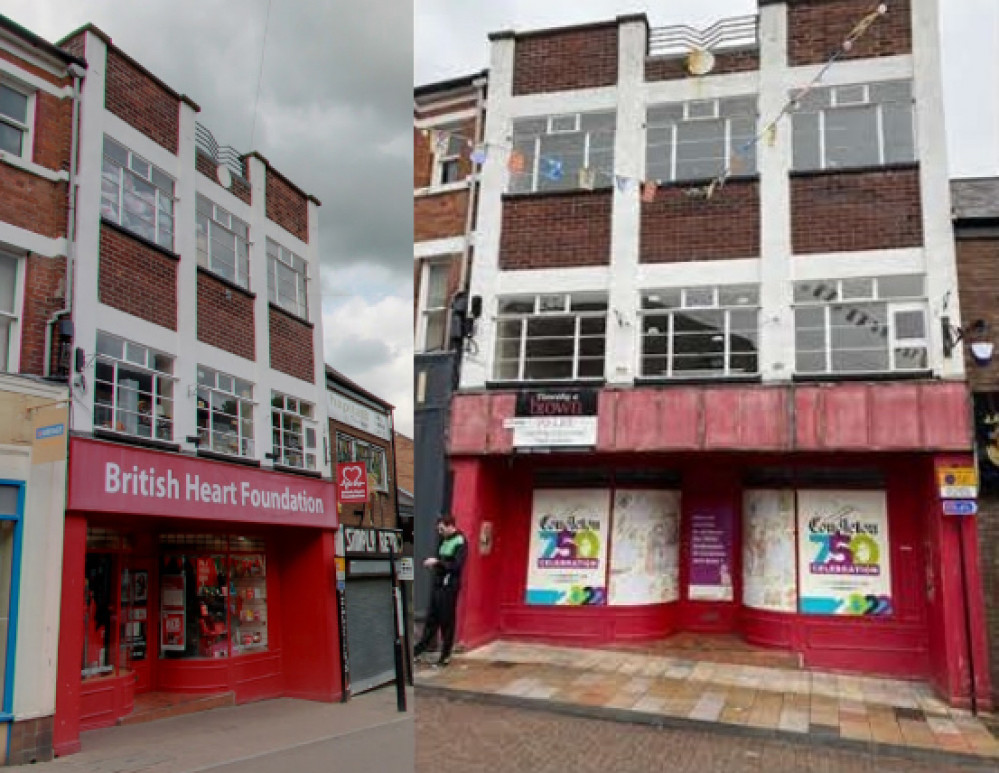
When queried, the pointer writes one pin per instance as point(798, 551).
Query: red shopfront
point(188, 575)
point(709, 510)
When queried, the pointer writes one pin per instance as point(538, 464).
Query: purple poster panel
point(710, 556)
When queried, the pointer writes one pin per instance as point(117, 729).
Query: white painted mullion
point(576, 349)
point(822, 139)
point(523, 348)
point(673, 152)
point(828, 314)
point(727, 343)
point(536, 164)
point(669, 344)
point(879, 114)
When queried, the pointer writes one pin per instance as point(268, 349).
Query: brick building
point(171, 285)
point(744, 329)
point(976, 228)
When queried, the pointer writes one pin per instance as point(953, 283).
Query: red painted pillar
point(66, 733)
point(473, 506)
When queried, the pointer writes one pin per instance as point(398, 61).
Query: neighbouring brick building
point(709, 382)
point(976, 228)
point(170, 285)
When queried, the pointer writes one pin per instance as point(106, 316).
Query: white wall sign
point(567, 561)
point(355, 414)
point(768, 567)
point(553, 431)
point(645, 548)
point(844, 553)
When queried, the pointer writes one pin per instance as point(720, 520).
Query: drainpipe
point(78, 74)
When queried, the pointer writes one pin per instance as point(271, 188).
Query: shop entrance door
point(138, 620)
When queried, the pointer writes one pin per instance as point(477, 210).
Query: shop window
point(700, 332)
point(133, 393)
point(8, 312)
point(137, 195)
point(554, 149)
point(861, 325)
point(287, 280)
point(293, 431)
point(700, 139)
point(861, 125)
point(213, 596)
point(223, 242)
point(350, 449)
point(551, 337)
point(107, 604)
point(225, 413)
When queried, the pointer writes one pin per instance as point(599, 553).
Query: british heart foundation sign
point(351, 482)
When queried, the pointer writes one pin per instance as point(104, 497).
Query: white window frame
point(286, 259)
point(284, 453)
point(13, 364)
point(893, 305)
point(687, 303)
point(865, 102)
point(28, 127)
point(538, 313)
point(382, 455)
point(168, 417)
point(450, 131)
point(423, 318)
point(222, 219)
point(551, 130)
point(206, 402)
point(672, 127)
point(160, 195)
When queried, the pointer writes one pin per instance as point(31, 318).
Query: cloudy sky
point(335, 113)
point(451, 41)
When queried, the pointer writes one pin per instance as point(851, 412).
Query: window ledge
point(227, 282)
point(733, 179)
point(598, 191)
point(141, 239)
point(297, 471)
point(519, 385)
point(910, 375)
point(805, 173)
point(246, 461)
point(699, 381)
point(434, 190)
point(135, 440)
point(31, 167)
point(289, 314)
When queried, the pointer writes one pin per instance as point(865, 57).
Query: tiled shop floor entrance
point(784, 700)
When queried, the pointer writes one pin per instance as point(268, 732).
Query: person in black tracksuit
point(447, 568)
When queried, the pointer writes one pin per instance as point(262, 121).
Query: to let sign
point(555, 418)
point(351, 482)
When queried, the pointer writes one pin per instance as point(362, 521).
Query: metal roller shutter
point(370, 632)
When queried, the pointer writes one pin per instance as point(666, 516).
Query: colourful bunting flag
point(479, 155)
point(587, 178)
point(551, 168)
point(516, 162)
point(621, 182)
point(649, 188)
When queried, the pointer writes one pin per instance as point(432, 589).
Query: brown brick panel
point(209, 169)
point(225, 316)
point(556, 230)
point(291, 346)
point(678, 227)
point(662, 68)
point(31, 202)
point(404, 462)
point(564, 60)
point(440, 216)
point(53, 135)
point(31, 741)
point(38, 72)
point(854, 211)
point(978, 280)
point(287, 207)
point(817, 29)
point(141, 102)
point(44, 295)
point(76, 45)
point(987, 521)
point(137, 279)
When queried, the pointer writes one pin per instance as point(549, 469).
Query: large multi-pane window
point(700, 139)
point(349, 449)
point(287, 280)
point(434, 310)
point(553, 149)
point(840, 127)
point(137, 195)
point(15, 130)
point(225, 412)
point(700, 332)
point(551, 337)
point(866, 325)
point(8, 310)
point(223, 242)
point(133, 391)
point(293, 430)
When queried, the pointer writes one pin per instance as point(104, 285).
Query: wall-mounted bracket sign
point(563, 418)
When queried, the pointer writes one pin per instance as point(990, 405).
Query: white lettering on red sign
point(352, 482)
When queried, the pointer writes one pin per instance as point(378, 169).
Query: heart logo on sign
point(352, 475)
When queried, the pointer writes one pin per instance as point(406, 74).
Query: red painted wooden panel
point(66, 733)
point(946, 416)
point(845, 417)
point(722, 414)
point(895, 416)
point(764, 414)
point(502, 406)
point(469, 424)
point(807, 430)
point(680, 423)
point(638, 421)
point(607, 420)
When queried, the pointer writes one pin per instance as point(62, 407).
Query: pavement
point(882, 716)
point(365, 735)
point(459, 736)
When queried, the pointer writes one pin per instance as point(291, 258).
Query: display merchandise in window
point(100, 610)
point(249, 602)
point(133, 389)
point(293, 429)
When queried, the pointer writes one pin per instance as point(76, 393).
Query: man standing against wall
point(447, 568)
